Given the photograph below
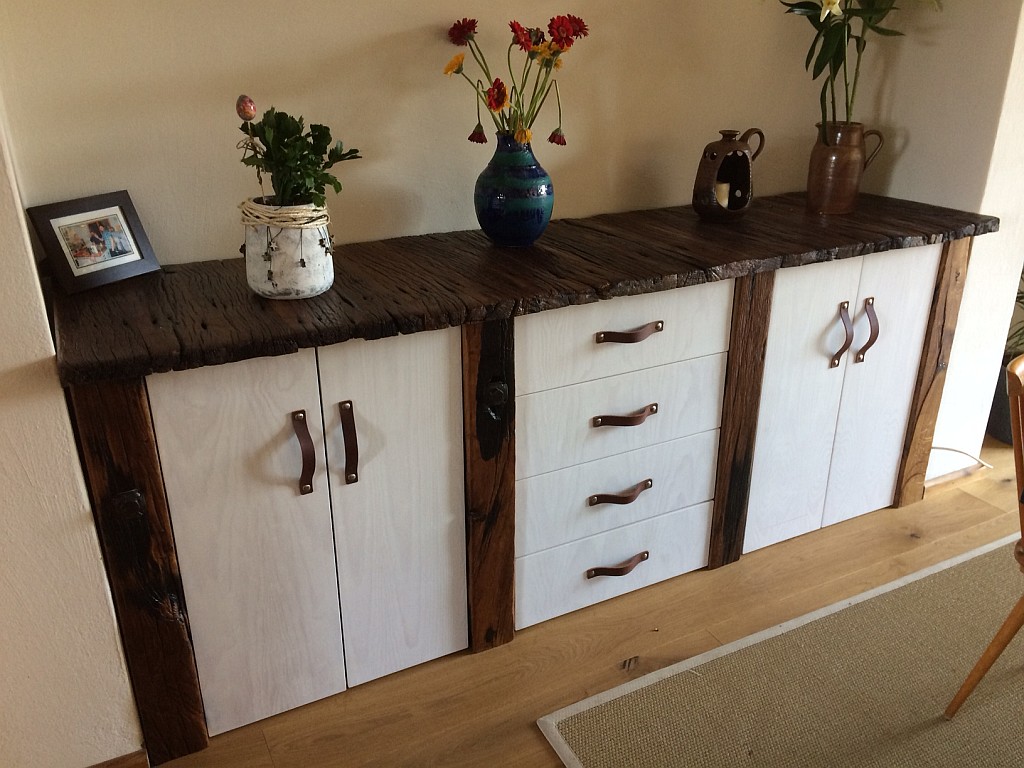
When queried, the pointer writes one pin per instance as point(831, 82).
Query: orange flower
point(454, 67)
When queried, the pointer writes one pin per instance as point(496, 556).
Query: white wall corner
point(992, 280)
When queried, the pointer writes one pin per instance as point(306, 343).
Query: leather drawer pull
point(308, 451)
point(626, 497)
point(629, 337)
point(632, 420)
point(622, 568)
point(869, 310)
point(348, 431)
point(844, 315)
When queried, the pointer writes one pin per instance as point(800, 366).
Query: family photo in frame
point(93, 240)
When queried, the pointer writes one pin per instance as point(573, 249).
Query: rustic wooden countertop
point(203, 313)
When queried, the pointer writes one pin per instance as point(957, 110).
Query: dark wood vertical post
point(931, 375)
point(488, 394)
point(123, 474)
point(752, 304)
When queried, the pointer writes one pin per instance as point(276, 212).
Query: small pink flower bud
point(245, 107)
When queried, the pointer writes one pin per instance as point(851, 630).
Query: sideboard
point(115, 343)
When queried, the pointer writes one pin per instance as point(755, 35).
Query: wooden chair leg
point(1003, 637)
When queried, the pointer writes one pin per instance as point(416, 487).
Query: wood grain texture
point(203, 313)
point(257, 556)
point(134, 760)
point(400, 529)
point(801, 394)
point(751, 308)
point(931, 376)
point(488, 391)
point(468, 711)
point(552, 582)
point(558, 348)
point(123, 473)
point(878, 391)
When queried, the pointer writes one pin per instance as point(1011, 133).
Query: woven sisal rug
point(862, 683)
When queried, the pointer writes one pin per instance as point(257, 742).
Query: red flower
point(562, 31)
point(521, 36)
point(557, 137)
point(497, 96)
point(478, 136)
point(579, 26)
point(462, 32)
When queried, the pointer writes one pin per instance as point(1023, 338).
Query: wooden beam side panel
point(931, 375)
point(488, 391)
point(123, 473)
point(751, 311)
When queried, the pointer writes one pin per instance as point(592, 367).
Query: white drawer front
point(558, 347)
point(554, 508)
point(554, 428)
point(554, 581)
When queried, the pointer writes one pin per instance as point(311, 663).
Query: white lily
point(830, 6)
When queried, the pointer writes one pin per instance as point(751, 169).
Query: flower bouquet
point(514, 197)
point(514, 107)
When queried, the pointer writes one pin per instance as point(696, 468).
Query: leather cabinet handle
point(844, 315)
point(629, 337)
point(631, 420)
point(626, 497)
point(348, 431)
point(869, 310)
point(621, 569)
point(308, 451)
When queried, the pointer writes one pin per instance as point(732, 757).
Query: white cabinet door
point(800, 399)
point(400, 528)
point(829, 439)
point(256, 556)
point(877, 392)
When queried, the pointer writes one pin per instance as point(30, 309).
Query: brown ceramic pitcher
point(837, 165)
point(724, 186)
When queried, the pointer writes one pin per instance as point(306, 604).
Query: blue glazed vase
point(514, 195)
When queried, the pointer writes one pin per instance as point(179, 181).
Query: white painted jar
point(288, 252)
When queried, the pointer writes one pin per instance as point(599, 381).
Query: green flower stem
point(540, 93)
point(480, 60)
point(856, 71)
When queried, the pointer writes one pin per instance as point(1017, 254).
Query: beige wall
point(113, 94)
point(65, 697)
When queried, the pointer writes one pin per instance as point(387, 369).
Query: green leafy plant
point(297, 160)
point(834, 36)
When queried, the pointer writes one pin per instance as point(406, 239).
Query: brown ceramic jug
point(724, 185)
point(837, 164)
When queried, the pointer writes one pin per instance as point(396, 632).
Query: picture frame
point(92, 241)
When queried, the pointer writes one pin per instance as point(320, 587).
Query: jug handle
point(881, 141)
point(745, 138)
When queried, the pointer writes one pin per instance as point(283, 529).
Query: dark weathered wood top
point(203, 313)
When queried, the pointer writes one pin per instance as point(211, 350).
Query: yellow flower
point(830, 6)
point(454, 67)
point(523, 136)
point(546, 50)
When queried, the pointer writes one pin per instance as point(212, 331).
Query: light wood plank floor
point(480, 710)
